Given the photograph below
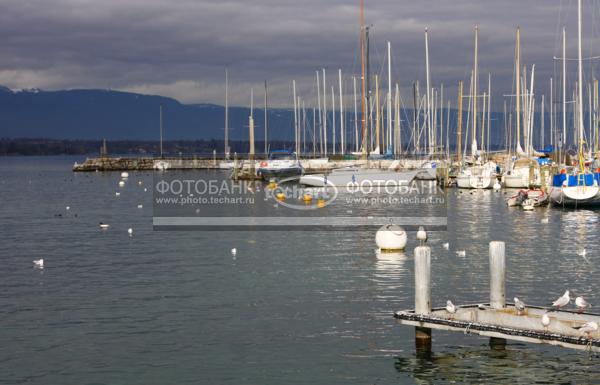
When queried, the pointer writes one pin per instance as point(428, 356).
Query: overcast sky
point(181, 48)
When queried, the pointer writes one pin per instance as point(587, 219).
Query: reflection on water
point(518, 363)
point(291, 307)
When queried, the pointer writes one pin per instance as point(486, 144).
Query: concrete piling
point(422, 296)
point(497, 285)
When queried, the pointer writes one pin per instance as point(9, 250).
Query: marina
point(352, 212)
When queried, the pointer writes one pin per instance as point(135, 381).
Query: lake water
point(174, 307)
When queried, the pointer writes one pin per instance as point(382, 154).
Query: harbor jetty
point(495, 318)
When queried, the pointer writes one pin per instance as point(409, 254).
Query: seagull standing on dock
point(422, 235)
point(450, 308)
point(545, 321)
point(519, 305)
point(562, 301)
point(581, 304)
point(587, 328)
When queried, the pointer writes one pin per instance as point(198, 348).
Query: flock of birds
point(581, 304)
point(39, 263)
point(586, 328)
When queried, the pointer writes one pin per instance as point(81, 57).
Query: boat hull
point(576, 196)
point(360, 177)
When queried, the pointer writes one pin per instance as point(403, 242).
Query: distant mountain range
point(125, 116)
point(116, 115)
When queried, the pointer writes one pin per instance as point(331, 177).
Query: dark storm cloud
point(181, 48)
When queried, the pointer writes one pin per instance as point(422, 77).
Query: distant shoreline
point(44, 146)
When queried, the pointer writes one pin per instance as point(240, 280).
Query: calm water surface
point(291, 308)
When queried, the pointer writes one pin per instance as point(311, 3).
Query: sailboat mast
point(355, 118)
point(580, 85)
point(324, 113)
point(342, 141)
point(475, 65)
point(428, 97)
point(295, 115)
point(161, 130)
point(459, 123)
point(320, 114)
point(518, 77)
point(226, 147)
point(266, 120)
point(389, 96)
point(362, 63)
point(564, 85)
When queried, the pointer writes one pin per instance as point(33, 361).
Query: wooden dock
point(495, 319)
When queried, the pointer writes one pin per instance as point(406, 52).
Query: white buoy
point(121, 183)
point(391, 238)
point(140, 206)
point(104, 225)
point(139, 182)
point(422, 235)
point(234, 251)
point(497, 186)
point(39, 263)
point(130, 231)
point(124, 175)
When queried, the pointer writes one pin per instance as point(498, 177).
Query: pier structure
point(496, 318)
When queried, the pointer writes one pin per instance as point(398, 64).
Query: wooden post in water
point(497, 285)
point(422, 296)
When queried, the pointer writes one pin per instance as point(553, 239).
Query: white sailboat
point(479, 175)
point(518, 174)
point(577, 187)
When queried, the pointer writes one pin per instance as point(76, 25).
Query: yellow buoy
point(320, 203)
point(280, 196)
point(307, 198)
point(272, 185)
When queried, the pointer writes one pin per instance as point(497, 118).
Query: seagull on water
point(545, 321)
point(581, 304)
point(562, 301)
point(233, 251)
point(104, 225)
point(446, 246)
point(450, 308)
point(422, 235)
point(461, 253)
point(587, 328)
point(519, 305)
point(582, 252)
point(39, 263)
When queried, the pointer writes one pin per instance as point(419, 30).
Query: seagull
point(582, 252)
point(581, 304)
point(481, 306)
point(39, 263)
point(117, 193)
point(140, 206)
point(130, 231)
point(446, 246)
point(544, 220)
point(233, 251)
point(450, 308)
point(461, 253)
point(422, 235)
point(68, 208)
point(104, 225)
point(519, 305)
point(545, 321)
point(562, 301)
point(587, 328)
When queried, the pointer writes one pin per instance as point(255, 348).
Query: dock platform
point(504, 323)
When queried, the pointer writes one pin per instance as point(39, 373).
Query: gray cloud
point(181, 48)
